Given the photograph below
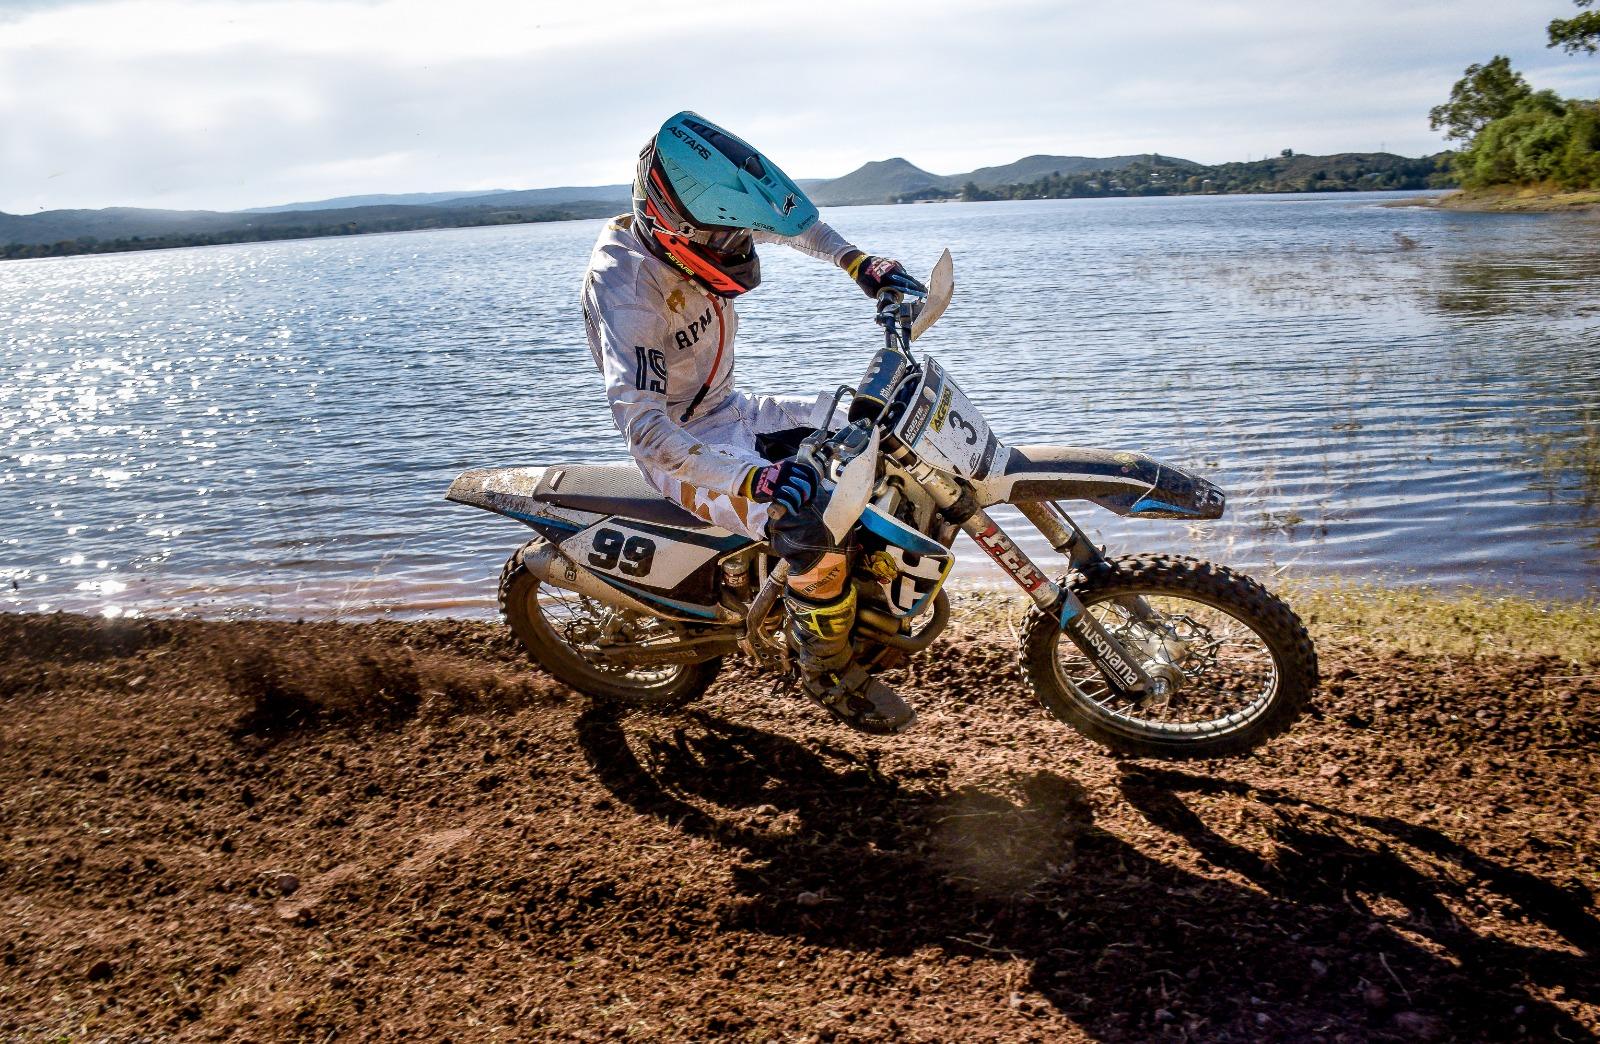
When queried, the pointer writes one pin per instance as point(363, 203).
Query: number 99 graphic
point(632, 556)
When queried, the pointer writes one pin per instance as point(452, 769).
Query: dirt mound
point(269, 831)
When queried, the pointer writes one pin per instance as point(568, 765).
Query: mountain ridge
point(876, 181)
point(376, 199)
point(881, 181)
point(896, 179)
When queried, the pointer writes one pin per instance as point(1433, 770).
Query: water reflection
point(1554, 284)
point(1568, 464)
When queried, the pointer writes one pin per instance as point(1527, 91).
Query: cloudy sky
point(235, 103)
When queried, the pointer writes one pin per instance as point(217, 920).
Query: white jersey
point(663, 342)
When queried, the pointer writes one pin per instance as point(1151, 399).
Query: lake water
point(268, 429)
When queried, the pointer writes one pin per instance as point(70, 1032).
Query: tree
point(1545, 139)
point(1485, 93)
point(1287, 153)
point(1579, 33)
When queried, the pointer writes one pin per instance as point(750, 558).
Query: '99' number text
point(632, 555)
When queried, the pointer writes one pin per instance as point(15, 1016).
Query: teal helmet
point(701, 191)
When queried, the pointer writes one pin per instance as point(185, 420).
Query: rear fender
point(1129, 484)
point(516, 493)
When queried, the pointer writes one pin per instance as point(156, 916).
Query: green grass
point(1469, 623)
point(1416, 620)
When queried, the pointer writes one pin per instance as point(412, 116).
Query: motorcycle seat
point(613, 489)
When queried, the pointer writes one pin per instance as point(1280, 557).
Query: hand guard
point(876, 274)
point(792, 483)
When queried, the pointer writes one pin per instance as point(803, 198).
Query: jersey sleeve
point(630, 345)
point(820, 241)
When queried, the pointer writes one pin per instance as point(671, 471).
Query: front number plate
point(944, 426)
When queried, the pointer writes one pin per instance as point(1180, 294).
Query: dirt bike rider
point(658, 305)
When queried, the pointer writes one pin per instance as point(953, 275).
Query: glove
point(876, 274)
point(792, 483)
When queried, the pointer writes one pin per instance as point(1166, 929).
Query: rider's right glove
point(791, 483)
point(876, 274)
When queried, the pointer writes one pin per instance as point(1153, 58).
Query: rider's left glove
point(791, 483)
point(876, 274)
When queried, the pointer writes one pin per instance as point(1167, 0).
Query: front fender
point(1130, 484)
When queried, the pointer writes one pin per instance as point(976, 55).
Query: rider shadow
point(1127, 946)
point(1325, 855)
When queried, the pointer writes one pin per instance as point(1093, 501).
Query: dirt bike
point(626, 596)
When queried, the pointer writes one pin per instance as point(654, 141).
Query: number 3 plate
point(945, 427)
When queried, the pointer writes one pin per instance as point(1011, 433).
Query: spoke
point(1229, 674)
point(584, 625)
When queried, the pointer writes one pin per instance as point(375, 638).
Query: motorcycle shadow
point(1336, 934)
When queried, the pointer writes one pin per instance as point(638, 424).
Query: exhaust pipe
point(885, 629)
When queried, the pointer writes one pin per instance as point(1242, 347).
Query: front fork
point(1119, 667)
point(1115, 662)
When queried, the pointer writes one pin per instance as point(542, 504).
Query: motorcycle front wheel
point(563, 631)
point(1247, 665)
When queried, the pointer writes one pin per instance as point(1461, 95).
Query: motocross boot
point(819, 640)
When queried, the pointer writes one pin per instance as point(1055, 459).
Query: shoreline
point(51, 252)
point(360, 602)
point(1512, 199)
point(322, 830)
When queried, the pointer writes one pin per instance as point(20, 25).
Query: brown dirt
point(270, 831)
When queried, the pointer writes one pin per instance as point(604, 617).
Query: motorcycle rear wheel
point(1242, 646)
point(551, 624)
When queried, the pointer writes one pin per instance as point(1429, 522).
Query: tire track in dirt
point(381, 830)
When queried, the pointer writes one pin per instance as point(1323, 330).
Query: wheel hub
point(1166, 681)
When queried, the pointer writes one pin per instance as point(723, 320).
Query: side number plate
point(646, 555)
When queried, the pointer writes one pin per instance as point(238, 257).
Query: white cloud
point(231, 103)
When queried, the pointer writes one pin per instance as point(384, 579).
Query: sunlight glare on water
point(268, 429)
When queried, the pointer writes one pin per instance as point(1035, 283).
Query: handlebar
point(895, 315)
point(826, 452)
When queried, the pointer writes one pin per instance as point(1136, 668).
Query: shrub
point(1544, 139)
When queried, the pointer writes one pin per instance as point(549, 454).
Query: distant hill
point(491, 198)
point(1162, 176)
point(885, 180)
point(1031, 167)
point(1346, 169)
point(404, 199)
point(875, 182)
point(52, 225)
point(614, 194)
point(60, 232)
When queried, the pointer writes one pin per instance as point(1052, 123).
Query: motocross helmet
point(698, 195)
